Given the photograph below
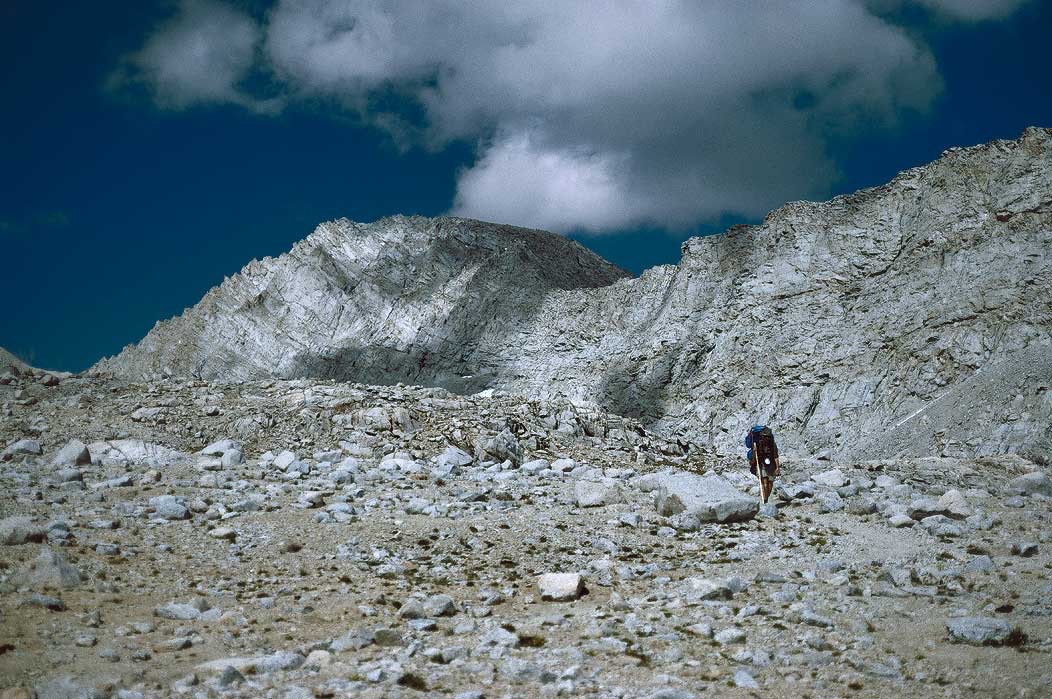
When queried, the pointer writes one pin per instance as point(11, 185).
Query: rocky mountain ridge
point(911, 318)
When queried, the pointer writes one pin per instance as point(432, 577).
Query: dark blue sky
point(115, 213)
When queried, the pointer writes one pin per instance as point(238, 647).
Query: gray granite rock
point(20, 447)
point(74, 453)
point(711, 498)
point(49, 570)
point(560, 587)
point(980, 631)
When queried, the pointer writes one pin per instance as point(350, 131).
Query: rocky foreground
point(319, 539)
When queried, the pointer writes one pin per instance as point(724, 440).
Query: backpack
point(764, 447)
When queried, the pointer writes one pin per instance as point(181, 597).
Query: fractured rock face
point(134, 451)
point(404, 299)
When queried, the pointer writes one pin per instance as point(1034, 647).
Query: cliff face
point(412, 300)
point(915, 317)
point(837, 321)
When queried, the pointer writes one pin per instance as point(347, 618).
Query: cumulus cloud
point(198, 56)
point(520, 181)
point(599, 117)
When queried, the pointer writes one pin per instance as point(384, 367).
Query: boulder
point(260, 664)
point(711, 498)
point(830, 501)
point(74, 453)
point(981, 631)
point(453, 458)
point(48, 570)
point(440, 605)
point(233, 457)
point(500, 447)
point(170, 507)
point(593, 494)
point(833, 478)
point(924, 507)
point(702, 589)
point(560, 587)
point(940, 525)
point(178, 611)
point(954, 505)
point(221, 447)
point(1030, 483)
point(285, 459)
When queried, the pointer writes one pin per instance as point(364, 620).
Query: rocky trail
point(307, 538)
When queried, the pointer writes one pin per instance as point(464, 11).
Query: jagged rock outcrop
point(915, 317)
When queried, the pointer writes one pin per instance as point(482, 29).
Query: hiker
point(761, 438)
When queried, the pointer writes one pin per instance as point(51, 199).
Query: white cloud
point(199, 56)
point(587, 115)
point(520, 181)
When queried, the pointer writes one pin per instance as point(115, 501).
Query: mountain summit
point(910, 318)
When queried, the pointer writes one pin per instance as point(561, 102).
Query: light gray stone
point(170, 507)
point(453, 458)
point(833, 478)
point(21, 447)
point(49, 570)
point(979, 631)
point(698, 589)
point(560, 587)
point(221, 447)
point(1030, 483)
point(711, 498)
point(283, 460)
point(128, 452)
point(74, 453)
point(593, 494)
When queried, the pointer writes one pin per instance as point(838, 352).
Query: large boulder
point(710, 498)
point(74, 453)
point(499, 447)
point(170, 507)
point(259, 664)
point(1030, 483)
point(221, 447)
point(452, 458)
point(982, 631)
point(49, 570)
point(560, 587)
point(594, 494)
